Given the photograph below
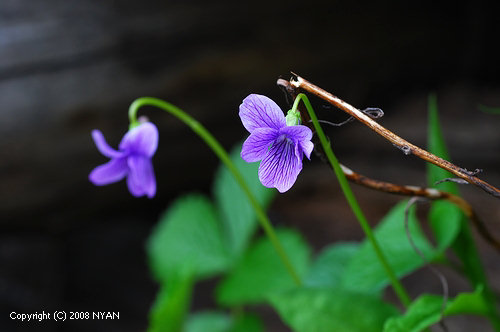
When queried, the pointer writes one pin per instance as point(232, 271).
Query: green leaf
point(237, 214)
point(208, 322)
point(365, 273)
point(326, 310)
point(422, 313)
point(172, 302)
point(489, 109)
point(463, 244)
point(188, 233)
point(327, 269)
point(261, 271)
point(445, 219)
point(215, 321)
point(437, 146)
point(470, 303)
point(466, 250)
point(426, 311)
point(248, 323)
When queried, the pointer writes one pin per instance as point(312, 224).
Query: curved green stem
point(224, 157)
point(353, 203)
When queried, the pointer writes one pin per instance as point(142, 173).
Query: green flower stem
point(224, 157)
point(353, 203)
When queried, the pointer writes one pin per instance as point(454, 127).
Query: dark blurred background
point(67, 67)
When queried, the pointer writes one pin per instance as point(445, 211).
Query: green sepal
point(292, 118)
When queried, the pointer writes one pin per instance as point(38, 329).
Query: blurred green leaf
point(466, 250)
point(463, 244)
point(261, 272)
point(445, 219)
point(238, 216)
point(188, 233)
point(172, 302)
point(326, 310)
point(214, 321)
point(248, 323)
point(422, 313)
point(426, 311)
point(437, 146)
point(327, 269)
point(364, 272)
point(469, 303)
point(448, 223)
point(209, 321)
point(489, 109)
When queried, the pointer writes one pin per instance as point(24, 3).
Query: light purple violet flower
point(280, 147)
point(133, 160)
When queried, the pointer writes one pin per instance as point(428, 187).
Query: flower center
point(282, 138)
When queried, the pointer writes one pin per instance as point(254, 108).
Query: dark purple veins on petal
point(280, 167)
point(259, 111)
point(256, 146)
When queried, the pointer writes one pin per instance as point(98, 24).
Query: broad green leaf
point(215, 321)
point(172, 302)
point(365, 273)
point(326, 310)
point(426, 311)
point(261, 271)
point(327, 269)
point(188, 233)
point(237, 214)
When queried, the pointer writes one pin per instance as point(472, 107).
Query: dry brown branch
point(407, 147)
point(429, 193)
point(405, 190)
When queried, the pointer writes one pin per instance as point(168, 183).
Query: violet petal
point(256, 146)
point(280, 167)
point(302, 135)
point(259, 111)
point(111, 172)
point(306, 147)
point(141, 179)
point(297, 133)
point(142, 139)
point(103, 146)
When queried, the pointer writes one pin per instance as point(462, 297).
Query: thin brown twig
point(405, 190)
point(407, 147)
point(429, 193)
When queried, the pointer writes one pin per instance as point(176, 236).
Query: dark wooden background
point(67, 67)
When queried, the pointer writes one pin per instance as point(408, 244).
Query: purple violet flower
point(280, 147)
point(133, 160)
